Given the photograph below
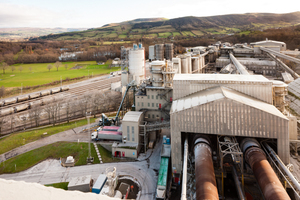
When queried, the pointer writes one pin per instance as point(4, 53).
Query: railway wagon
point(7, 111)
point(65, 88)
point(21, 107)
point(35, 95)
point(35, 104)
point(22, 98)
point(10, 101)
point(55, 90)
point(45, 93)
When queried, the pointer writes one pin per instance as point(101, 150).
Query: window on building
point(142, 104)
point(148, 104)
point(138, 103)
point(157, 116)
point(153, 116)
point(152, 96)
point(160, 98)
point(148, 96)
point(153, 105)
point(157, 105)
point(128, 133)
point(148, 116)
point(132, 129)
point(156, 96)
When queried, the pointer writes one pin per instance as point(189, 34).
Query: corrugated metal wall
point(227, 117)
point(259, 90)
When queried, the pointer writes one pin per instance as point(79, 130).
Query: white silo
point(189, 62)
point(177, 65)
point(184, 65)
point(195, 64)
point(136, 63)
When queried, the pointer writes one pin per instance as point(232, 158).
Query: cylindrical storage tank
point(124, 78)
point(135, 46)
point(206, 186)
point(136, 62)
point(21, 107)
point(35, 103)
point(22, 98)
point(45, 93)
point(10, 101)
point(47, 100)
point(65, 88)
point(55, 90)
point(268, 181)
point(7, 111)
point(169, 51)
point(189, 62)
point(195, 64)
point(184, 65)
point(151, 53)
point(159, 51)
point(177, 65)
point(157, 76)
point(35, 95)
point(140, 45)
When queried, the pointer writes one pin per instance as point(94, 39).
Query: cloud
point(26, 16)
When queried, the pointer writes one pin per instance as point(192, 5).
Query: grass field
point(57, 150)
point(187, 33)
point(176, 34)
point(164, 35)
point(122, 36)
point(197, 32)
point(39, 73)
point(18, 139)
point(62, 185)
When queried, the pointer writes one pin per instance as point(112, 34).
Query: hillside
point(184, 26)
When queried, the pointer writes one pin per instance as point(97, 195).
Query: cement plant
point(217, 122)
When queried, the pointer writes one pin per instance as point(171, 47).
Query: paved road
point(145, 170)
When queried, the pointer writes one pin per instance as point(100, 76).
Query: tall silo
point(136, 61)
point(159, 51)
point(151, 53)
point(169, 51)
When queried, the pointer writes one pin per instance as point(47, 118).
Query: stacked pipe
point(206, 187)
point(268, 181)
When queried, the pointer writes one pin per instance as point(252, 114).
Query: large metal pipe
point(268, 181)
point(281, 55)
point(283, 167)
point(184, 174)
point(237, 184)
point(241, 68)
point(206, 187)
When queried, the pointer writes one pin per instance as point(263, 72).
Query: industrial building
point(224, 116)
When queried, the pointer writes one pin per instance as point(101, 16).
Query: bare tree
point(3, 121)
point(20, 68)
point(4, 66)
point(57, 65)
point(30, 69)
point(84, 103)
point(13, 68)
point(34, 115)
point(66, 66)
point(49, 67)
point(12, 122)
point(23, 119)
point(96, 101)
point(53, 110)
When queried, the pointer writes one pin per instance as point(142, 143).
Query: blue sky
point(96, 13)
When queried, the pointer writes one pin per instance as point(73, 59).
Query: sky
point(96, 13)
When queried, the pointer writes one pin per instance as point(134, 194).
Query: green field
point(39, 73)
point(164, 35)
point(55, 151)
point(187, 33)
point(176, 34)
point(18, 139)
point(122, 36)
point(197, 32)
point(151, 35)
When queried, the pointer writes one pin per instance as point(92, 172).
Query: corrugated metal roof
point(132, 116)
point(221, 77)
point(217, 93)
point(294, 87)
point(266, 41)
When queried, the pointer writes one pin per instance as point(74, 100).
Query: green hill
point(183, 26)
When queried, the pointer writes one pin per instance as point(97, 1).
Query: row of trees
point(61, 111)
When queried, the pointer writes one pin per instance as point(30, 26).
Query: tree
point(3, 121)
point(12, 122)
point(30, 69)
point(23, 119)
point(57, 65)
point(66, 66)
point(84, 104)
point(53, 110)
point(34, 115)
point(13, 68)
point(49, 67)
point(4, 66)
point(20, 68)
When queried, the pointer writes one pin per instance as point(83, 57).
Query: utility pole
point(89, 159)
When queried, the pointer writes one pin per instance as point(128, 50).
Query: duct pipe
point(238, 184)
point(268, 181)
point(206, 187)
point(241, 68)
point(276, 53)
point(184, 175)
point(282, 165)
